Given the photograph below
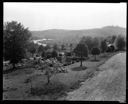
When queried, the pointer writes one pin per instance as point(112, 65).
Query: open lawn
point(16, 86)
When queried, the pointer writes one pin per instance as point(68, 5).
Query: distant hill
point(67, 36)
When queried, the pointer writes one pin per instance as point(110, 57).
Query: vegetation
point(88, 41)
point(103, 46)
point(32, 48)
point(96, 42)
point(15, 41)
point(120, 43)
point(62, 47)
point(95, 51)
point(55, 47)
point(43, 54)
point(68, 36)
point(81, 50)
point(54, 54)
point(40, 49)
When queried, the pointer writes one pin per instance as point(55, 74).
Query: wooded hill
point(73, 36)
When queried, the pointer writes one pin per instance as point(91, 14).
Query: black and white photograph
point(55, 51)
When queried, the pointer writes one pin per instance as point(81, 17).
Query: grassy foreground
point(15, 86)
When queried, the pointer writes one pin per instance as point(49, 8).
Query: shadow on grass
point(54, 90)
point(79, 68)
point(9, 70)
point(50, 88)
point(93, 60)
point(104, 56)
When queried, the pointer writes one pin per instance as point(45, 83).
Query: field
point(17, 87)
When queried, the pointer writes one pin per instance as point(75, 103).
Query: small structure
point(110, 47)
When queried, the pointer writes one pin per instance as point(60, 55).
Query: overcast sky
point(42, 16)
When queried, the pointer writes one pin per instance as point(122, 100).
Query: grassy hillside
point(61, 35)
point(108, 85)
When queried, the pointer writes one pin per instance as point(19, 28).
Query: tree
point(113, 39)
point(62, 47)
point(43, 54)
point(55, 47)
point(96, 42)
point(95, 51)
point(81, 50)
point(47, 47)
point(120, 42)
point(15, 41)
point(40, 49)
point(32, 47)
point(71, 46)
point(50, 71)
point(88, 41)
point(103, 46)
point(54, 53)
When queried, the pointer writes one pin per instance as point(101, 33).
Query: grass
point(53, 90)
point(80, 68)
point(93, 60)
point(64, 82)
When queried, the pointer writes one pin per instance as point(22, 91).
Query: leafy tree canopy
point(15, 41)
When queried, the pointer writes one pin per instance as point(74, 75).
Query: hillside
point(108, 85)
point(61, 35)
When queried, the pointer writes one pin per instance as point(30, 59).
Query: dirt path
point(108, 85)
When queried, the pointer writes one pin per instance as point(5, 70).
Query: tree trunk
point(48, 77)
point(95, 57)
point(31, 88)
point(81, 62)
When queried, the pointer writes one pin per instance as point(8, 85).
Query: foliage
point(88, 41)
point(55, 47)
point(15, 41)
point(51, 66)
point(120, 42)
point(113, 39)
point(32, 47)
point(40, 49)
point(62, 47)
point(95, 51)
point(54, 54)
point(71, 46)
point(96, 42)
point(81, 50)
point(103, 46)
point(47, 47)
point(43, 54)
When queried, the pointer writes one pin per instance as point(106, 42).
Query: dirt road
point(108, 85)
